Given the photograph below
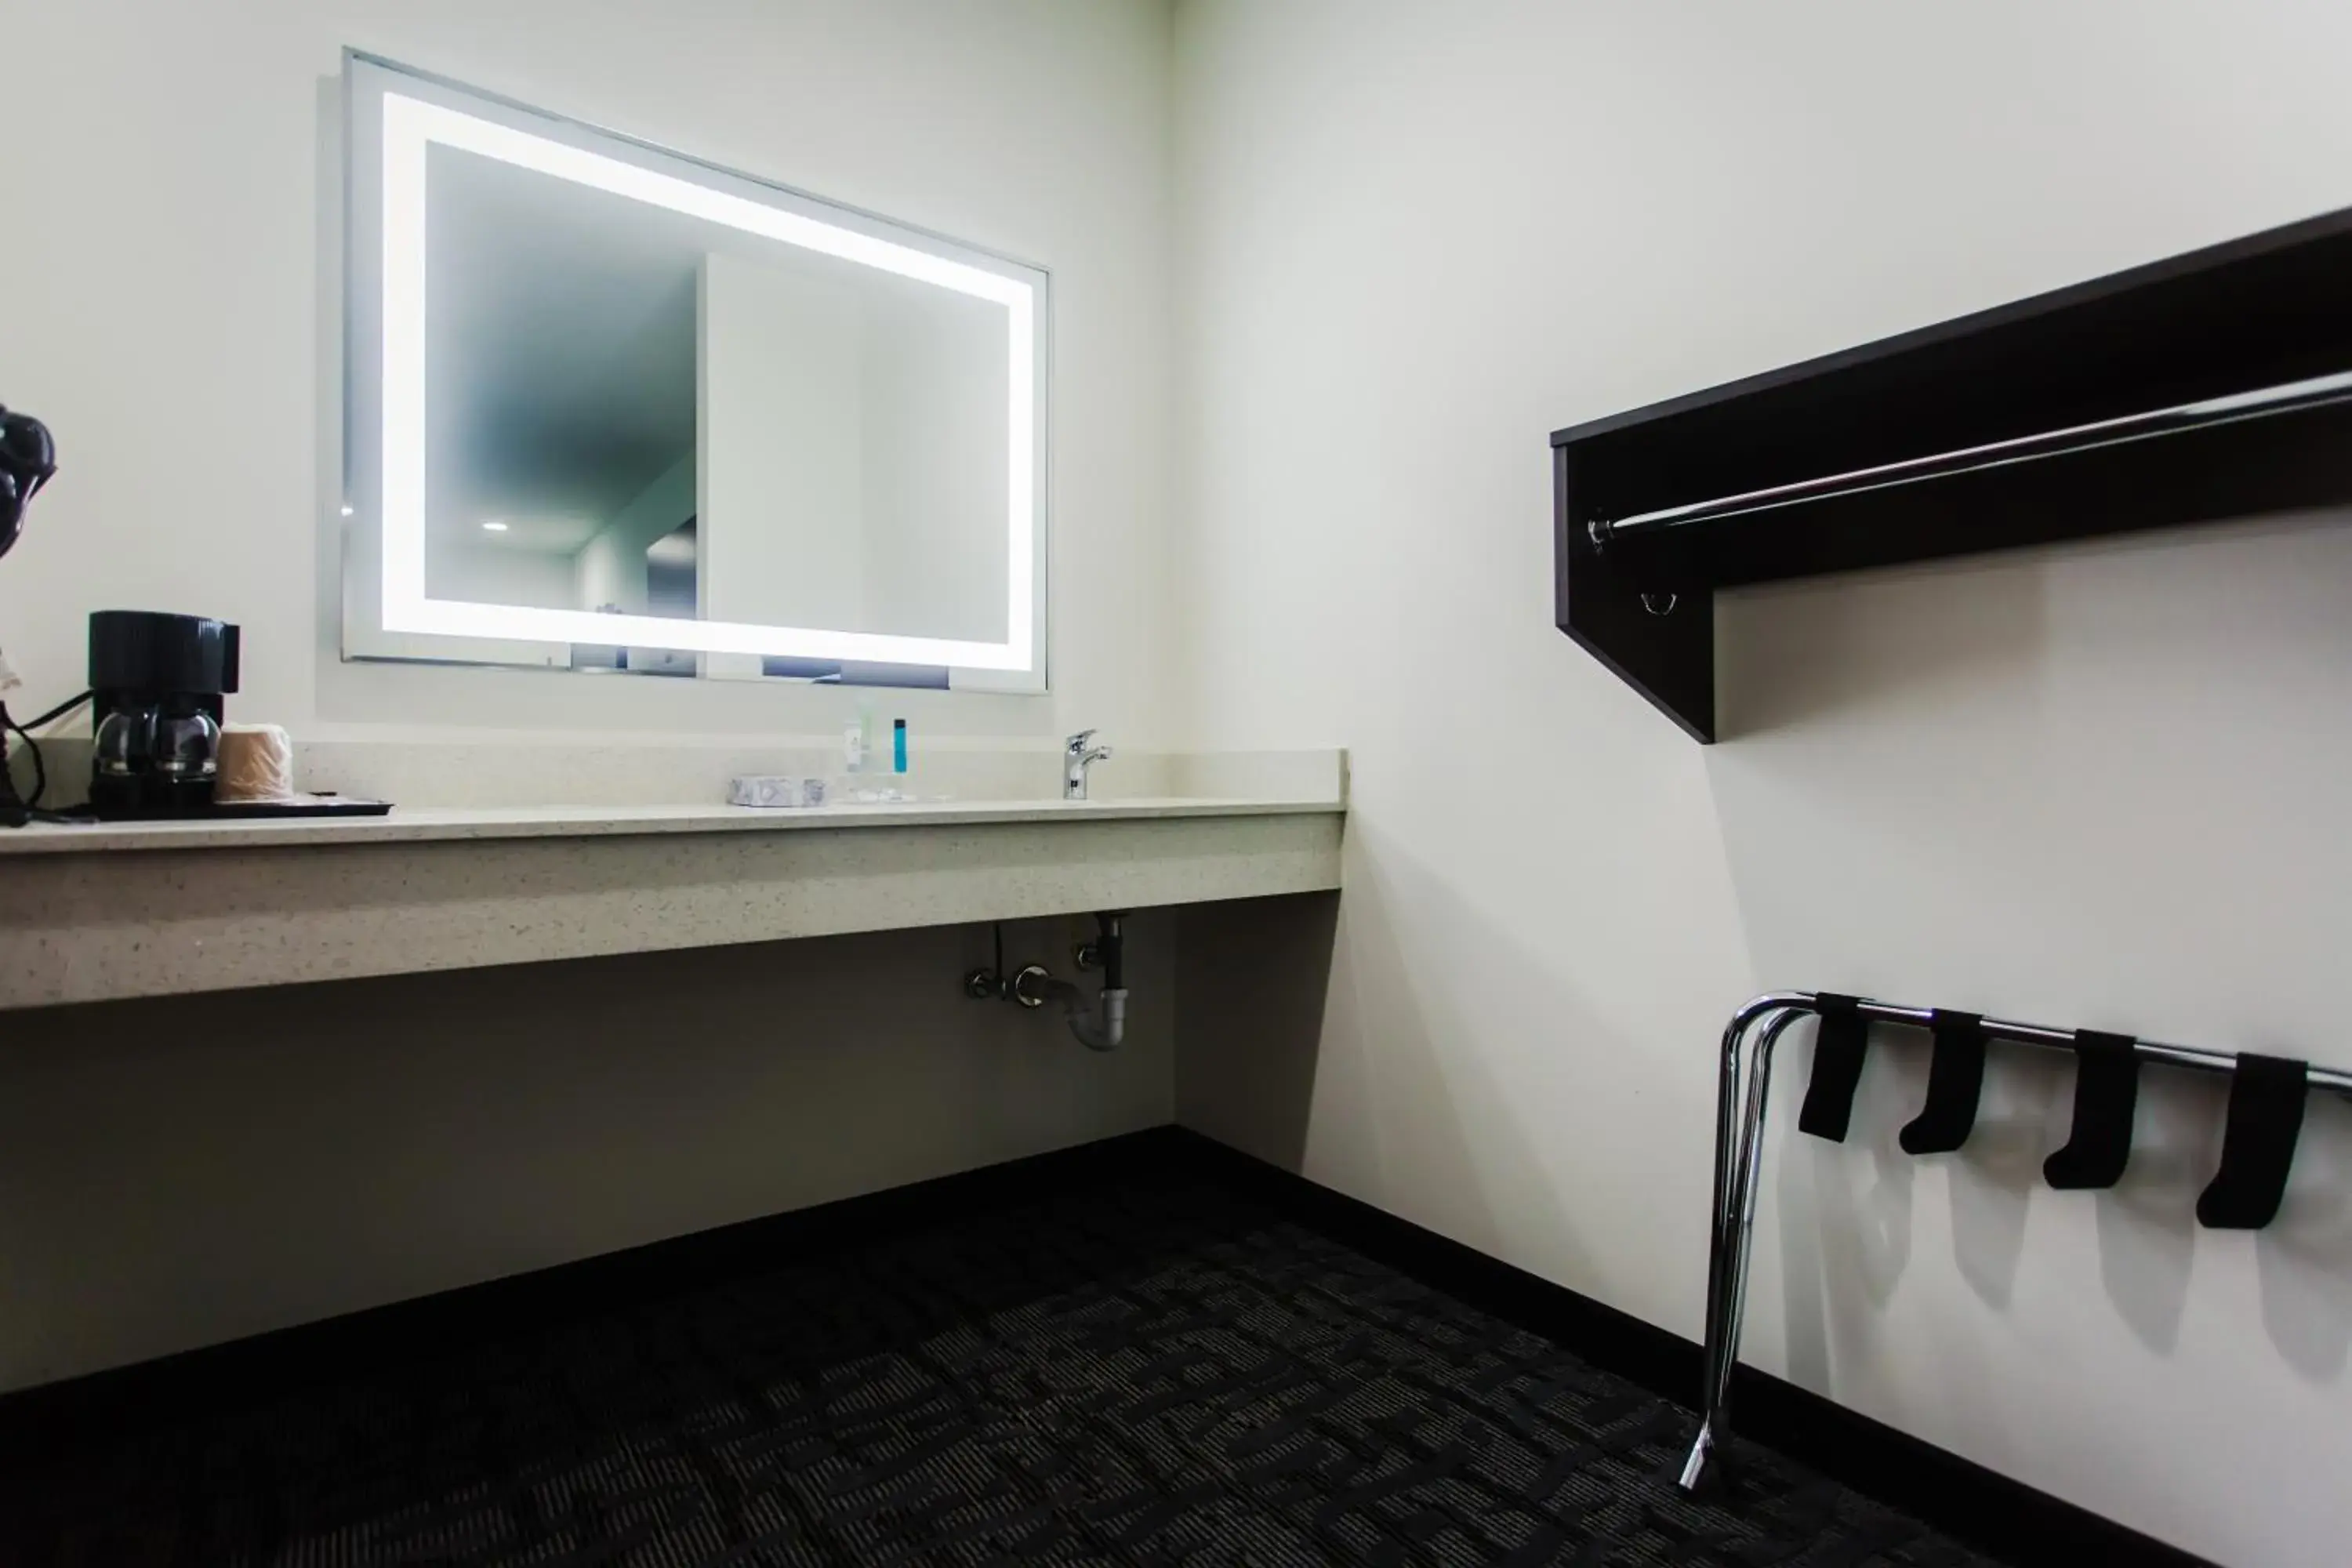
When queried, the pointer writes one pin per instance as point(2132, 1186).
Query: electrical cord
point(40, 774)
point(14, 810)
point(61, 710)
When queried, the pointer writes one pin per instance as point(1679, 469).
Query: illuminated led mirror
point(612, 409)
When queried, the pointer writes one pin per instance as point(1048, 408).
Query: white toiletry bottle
point(852, 746)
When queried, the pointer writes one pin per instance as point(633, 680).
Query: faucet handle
point(1078, 744)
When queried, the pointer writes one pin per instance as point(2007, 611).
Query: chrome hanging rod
point(2195, 1057)
point(2314, 392)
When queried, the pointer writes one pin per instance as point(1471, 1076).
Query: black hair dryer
point(27, 459)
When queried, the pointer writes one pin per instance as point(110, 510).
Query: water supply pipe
point(1099, 1020)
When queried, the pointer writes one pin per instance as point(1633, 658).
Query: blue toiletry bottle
point(897, 745)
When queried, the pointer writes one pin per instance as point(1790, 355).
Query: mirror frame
point(394, 115)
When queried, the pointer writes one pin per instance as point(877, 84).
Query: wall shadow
point(1861, 1202)
point(1787, 653)
point(1995, 1173)
point(2147, 1224)
point(1254, 978)
point(1468, 1160)
point(1310, 1033)
point(2304, 1260)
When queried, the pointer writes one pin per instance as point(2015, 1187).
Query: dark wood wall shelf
point(2097, 402)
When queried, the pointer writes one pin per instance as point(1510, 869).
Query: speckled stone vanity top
point(431, 824)
point(97, 913)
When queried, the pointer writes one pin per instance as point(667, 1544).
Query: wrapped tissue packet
point(775, 790)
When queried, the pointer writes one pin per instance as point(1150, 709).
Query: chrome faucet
point(1080, 754)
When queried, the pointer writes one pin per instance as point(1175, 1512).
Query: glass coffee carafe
point(158, 756)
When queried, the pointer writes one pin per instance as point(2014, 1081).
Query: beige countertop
point(430, 823)
point(113, 911)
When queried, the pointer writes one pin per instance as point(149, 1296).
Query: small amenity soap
point(774, 790)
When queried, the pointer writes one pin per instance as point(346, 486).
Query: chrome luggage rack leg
point(1738, 1157)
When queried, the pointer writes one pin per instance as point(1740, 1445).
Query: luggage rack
point(2265, 1117)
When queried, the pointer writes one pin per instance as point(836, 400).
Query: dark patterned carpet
point(1153, 1372)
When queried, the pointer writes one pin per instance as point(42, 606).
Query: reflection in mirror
point(637, 414)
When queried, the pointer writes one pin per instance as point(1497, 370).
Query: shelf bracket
point(1654, 633)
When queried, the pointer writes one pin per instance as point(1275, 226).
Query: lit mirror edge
point(447, 632)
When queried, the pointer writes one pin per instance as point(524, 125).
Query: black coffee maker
point(156, 684)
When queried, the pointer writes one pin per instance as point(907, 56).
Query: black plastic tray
point(298, 806)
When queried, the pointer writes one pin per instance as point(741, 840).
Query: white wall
point(184, 348)
point(851, 453)
point(611, 567)
point(780, 443)
point(2103, 785)
point(487, 575)
point(936, 466)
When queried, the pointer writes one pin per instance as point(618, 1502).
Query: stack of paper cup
point(257, 762)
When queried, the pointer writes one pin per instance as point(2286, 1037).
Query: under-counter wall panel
point(176, 1171)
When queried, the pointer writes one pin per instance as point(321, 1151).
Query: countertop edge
point(444, 824)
